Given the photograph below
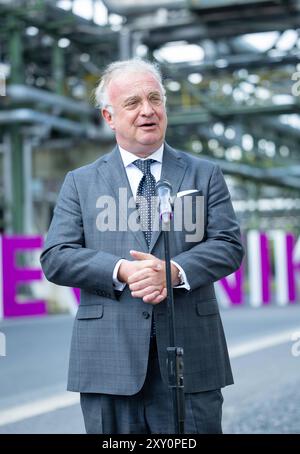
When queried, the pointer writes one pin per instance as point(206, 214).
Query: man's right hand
point(153, 265)
point(129, 267)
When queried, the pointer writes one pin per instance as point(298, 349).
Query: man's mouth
point(147, 125)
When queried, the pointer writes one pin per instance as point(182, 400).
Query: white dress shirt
point(134, 176)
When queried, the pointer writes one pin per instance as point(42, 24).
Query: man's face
point(139, 116)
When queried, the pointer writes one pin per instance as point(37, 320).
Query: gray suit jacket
point(110, 342)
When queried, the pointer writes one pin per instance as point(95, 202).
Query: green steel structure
point(235, 98)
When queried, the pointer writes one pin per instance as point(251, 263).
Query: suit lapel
point(114, 175)
point(173, 170)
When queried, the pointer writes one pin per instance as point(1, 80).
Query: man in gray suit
point(120, 335)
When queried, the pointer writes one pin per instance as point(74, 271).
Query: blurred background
point(231, 69)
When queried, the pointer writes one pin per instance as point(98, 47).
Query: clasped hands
point(146, 277)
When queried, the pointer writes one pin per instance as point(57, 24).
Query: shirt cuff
point(185, 283)
point(118, 285)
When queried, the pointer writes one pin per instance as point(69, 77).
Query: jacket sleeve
point(220, 252)
point(65, 260)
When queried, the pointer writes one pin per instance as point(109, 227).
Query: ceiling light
point(179, 53)
point(173, 85)
point(287, 40)
point(261, 41)
point(63, 42)
point(195, 78)
point(32, 31)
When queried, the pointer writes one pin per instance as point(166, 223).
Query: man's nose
point(147, 108)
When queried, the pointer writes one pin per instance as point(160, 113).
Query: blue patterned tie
point(145, 197)
point(145, 203)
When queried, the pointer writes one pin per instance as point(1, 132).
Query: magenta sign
point(270, 274)
point(14, 275)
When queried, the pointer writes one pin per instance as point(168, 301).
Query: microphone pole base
point(175, 380)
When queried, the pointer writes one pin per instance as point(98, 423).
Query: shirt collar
point(128, 158)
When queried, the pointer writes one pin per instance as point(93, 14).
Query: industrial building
point(232, 74)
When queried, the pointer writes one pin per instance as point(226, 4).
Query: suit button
point(146, 314)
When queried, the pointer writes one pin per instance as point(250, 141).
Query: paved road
point(264, 399)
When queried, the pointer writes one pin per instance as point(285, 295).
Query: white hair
point(113, 70)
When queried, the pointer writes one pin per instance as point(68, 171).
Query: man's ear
point(107, 115)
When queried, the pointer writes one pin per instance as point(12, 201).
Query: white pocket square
point(186, 192)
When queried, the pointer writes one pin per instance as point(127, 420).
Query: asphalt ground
point(265, 356)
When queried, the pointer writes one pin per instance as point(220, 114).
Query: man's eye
point(155, 99)
point(131, 104)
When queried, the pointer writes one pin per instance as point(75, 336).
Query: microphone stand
point(174, 354)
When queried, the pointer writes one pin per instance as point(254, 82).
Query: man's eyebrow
point(156, 92)
point(137, 97)
point(131, 98)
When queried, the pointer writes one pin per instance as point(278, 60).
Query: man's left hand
point(150, 283)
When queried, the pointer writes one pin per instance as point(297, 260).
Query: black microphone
point(163, 190)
